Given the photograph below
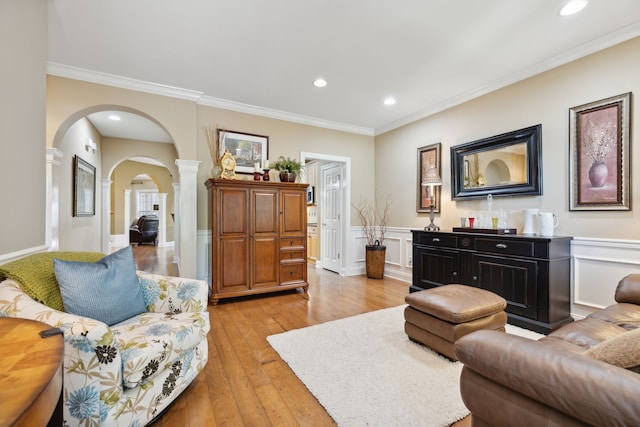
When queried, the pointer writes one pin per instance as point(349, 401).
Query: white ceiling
point(262, 56)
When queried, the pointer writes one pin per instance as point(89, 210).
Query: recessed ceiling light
point(114, 117)
point(573, 7)
point(389, 101)
point(319, 82)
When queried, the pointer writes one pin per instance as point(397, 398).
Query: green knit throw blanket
point(36, 277)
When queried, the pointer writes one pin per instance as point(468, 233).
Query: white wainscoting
point(598, 265)
point(397, 256)
point(203, 249)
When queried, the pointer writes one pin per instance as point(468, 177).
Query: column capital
point(186, 166)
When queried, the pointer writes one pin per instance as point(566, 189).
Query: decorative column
point(176, 222)
point(106, 216)
point(52, 195)
point(188, 170)
point(162, 220)
point(127, 215)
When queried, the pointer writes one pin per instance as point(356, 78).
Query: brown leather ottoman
point(438, 317)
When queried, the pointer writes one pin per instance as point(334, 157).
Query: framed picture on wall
point(84, 188)
point(599, 155)
point(428, 158)
point(247, 149)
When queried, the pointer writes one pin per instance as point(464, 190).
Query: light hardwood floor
point(245, 383)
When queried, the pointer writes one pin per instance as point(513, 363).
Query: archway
point(79, 136)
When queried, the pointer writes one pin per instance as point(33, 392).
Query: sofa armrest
point(628, 289)
point(91, 357)
point(166, 294)
point(589, 390)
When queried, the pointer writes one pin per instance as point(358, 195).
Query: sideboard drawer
point(505, 246)
point(436, 239)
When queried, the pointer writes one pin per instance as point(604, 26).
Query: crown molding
point(282, 115)
point(106, 79)
point(608, 40)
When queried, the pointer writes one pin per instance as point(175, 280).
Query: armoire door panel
point(265, 262)
point(234, 269)
point(265, 212)
point(293, 213)
point(233, 211)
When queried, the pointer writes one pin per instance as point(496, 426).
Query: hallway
point(154, 259)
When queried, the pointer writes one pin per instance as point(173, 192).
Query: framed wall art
point(84, 188)
point(247, 149)
point(428, 157)
point(599, 155)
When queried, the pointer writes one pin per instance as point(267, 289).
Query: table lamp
point(431, 179)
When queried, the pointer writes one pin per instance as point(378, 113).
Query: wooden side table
point(30, 373)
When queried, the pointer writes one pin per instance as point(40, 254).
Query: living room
point(43, 101)
point(603, 244)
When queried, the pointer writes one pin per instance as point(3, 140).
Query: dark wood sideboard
point(532, 273)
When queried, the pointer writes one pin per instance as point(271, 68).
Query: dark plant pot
point(287, 177)
point(375, 257)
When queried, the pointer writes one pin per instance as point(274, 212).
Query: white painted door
point(331, 216)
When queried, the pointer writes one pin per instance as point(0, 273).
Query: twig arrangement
point(599, 141)
point(211, 133)
point(373, 222)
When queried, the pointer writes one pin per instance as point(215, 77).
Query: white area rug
point(366, 372)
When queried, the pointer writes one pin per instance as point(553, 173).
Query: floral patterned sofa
point(128, 373)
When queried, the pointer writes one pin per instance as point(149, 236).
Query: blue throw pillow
point(107, 290)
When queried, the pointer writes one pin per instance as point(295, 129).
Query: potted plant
point(289, 168)
point(374, 227)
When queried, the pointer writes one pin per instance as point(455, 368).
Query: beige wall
point(23, 43)
point(69, 100)
point(545, 99)
point(288, 139)
point(79, 233)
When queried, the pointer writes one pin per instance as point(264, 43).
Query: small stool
point(438, 317)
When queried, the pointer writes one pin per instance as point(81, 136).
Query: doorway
point(333, 201)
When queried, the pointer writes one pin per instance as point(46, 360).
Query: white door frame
point(346, 205)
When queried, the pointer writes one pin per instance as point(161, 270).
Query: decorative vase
point(598, 174)
point(375, 258)
point(215, 171)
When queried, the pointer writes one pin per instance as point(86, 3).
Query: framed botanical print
point(599, 152)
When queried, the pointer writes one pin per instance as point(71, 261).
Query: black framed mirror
point(509, 164)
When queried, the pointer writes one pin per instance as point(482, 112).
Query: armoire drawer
point(292, 255)
point(292, 271)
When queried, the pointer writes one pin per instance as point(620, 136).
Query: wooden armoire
point(258, 237)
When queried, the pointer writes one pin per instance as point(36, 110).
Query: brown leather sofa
point(584, 373)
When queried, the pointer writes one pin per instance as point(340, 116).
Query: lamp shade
point(432, 177)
